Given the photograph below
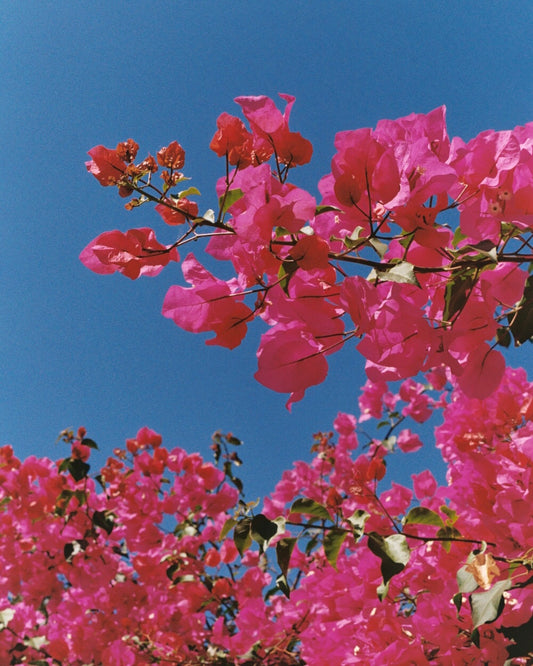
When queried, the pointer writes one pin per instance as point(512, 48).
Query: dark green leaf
point(105, 520)
point(234, 441)
point(521, 324)
point(171, 570)
point(78, 469)
point(263, 529)
point(284, 549)
point(242, 535)
point(458, 601)
point(89, 442)
point(474, 637)
point(503, 337)
point(522, 636)
point(333, 540)
point(281, 582)
point(310, 508)
point(420, 515)
point(488, 606)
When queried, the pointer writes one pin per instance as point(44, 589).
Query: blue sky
point(81, 349)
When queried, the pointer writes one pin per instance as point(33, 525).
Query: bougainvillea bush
point(417, 254)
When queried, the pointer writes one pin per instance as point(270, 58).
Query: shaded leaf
point(284, 549)
point(86, 441)
point(281, 582)
point(310, 507)
point(105, 520)
point(357, 520)
point(242, 535)
point(448, 532)
point(521, 324)
point(458, 601)
point(263, 529)
point(457, 292)
point(393, 552)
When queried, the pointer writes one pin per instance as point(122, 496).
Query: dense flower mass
point(159, 558)
point(152, 559)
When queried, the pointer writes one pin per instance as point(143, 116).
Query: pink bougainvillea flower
point(232, 139)
point(482, 372)
point(176, 212)
point(171, 156)
point(106, 165)
point(290, 360)
point(209, 305)
point(267, 122)
point(134, 253)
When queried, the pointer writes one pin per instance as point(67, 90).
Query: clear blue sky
point(81, 349)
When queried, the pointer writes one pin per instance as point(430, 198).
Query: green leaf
point(333, 540)
point(227, 527)
point(327, 209)
point(458, 601)
point(452, 515)
point(287, 268)
point(281, 582)
point(89, 442)
point(393, 552)
point(488, 606)
point(357, 520)
point(420, 515)
point(310, 508)
point(234, 441)
point(188, 192)
point(284, 549)
point(474, 637)
point(242, 535)
point(403, 272)
point(229, 199)
point(458, 236)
